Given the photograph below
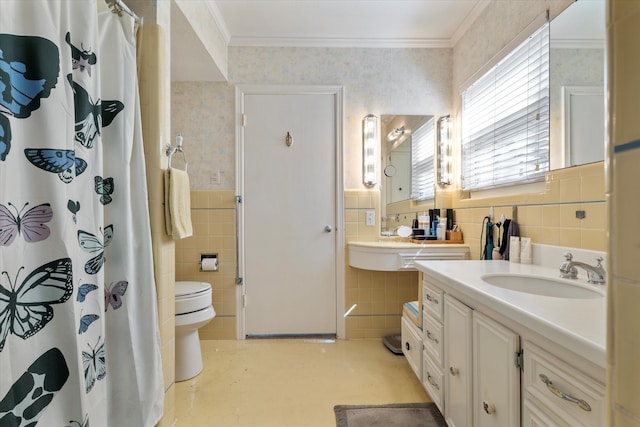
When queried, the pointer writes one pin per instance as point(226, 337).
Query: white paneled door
point(287, 182)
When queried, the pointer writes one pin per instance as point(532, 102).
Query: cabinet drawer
point(432, 338)
point(412, 345)
point(534, 416)
point(432, 300)
point(433, 381)
point(562, 389)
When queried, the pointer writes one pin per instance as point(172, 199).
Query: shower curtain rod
point(118, 6)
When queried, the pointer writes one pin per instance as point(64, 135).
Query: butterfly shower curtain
point(79, 342)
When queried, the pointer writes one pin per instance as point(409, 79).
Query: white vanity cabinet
point(485, 364)
point(558, 394)
point(433, 340)
point(496, 374)
point(469, 367)
point(482, 379)
point(458, 411)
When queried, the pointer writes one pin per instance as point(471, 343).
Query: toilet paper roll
point(209, 264)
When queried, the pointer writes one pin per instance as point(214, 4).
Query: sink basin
point(544, 286)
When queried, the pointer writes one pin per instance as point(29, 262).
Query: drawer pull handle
point(562, 395)
point(432, 382)
point(432, 299)
point(431, 337)
point(454, 371)
point(407, 346)
point(489, 408)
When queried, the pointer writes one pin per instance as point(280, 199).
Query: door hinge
point(244, 120)
point(519, 359)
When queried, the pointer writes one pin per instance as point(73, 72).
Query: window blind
point(422, 161)
point(505, 119)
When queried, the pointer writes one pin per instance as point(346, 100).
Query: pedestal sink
point(561, 288)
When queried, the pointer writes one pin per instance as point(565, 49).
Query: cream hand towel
point(177, 204)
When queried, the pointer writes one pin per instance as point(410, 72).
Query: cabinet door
point(496, 379)
point(458, 363)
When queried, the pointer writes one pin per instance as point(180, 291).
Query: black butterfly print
point(26, 309)
point(84, 423)
point(81, 59)
point(74, 208)
point(29, 396)
point(94, 245)
point(90, 117)
point(94, 364)
point(63, 162)
point(104, 187)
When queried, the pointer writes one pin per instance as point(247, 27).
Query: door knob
point(328, 229)
point(489, 408)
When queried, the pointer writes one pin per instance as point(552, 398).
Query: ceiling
point(322, 23)
point(332, 23)
point(347, 23)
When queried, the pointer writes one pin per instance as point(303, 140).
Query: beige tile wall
point(623, 31)
point(548, 216)
point(153, 98)
point(378, 295)
point(213, 218)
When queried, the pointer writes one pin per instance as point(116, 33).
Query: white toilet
point(193, 311)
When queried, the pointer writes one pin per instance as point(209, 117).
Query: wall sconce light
point(394, 134)
point(370, 142)
point(444, 150)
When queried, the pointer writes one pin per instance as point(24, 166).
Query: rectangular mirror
point(395, 197)
point(576, 68)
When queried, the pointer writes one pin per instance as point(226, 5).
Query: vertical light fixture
point(444, 150)
point(370, 144)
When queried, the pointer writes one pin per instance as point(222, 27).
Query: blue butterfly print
point(91, 117)
point(29, 68)
point(81, 59)
point(5, 137)
point(94, 364)
point(86, 321)
point(61, 162)
point(74, 208)
point(92, 244)
point(26, 310)
point(104, 187)
point(31, 394)
point(83, 291)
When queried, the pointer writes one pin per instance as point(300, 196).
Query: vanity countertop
point(393, 255)
point(578, 325)
point(402, 244)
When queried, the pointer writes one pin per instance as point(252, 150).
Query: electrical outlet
point(491, 213)
point(370, 218)
point(215, 176)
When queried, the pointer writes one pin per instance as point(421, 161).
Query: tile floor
point(293, 382)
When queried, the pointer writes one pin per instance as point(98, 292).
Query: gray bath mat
point(399, 414)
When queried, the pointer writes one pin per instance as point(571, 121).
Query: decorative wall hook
point(289, 139)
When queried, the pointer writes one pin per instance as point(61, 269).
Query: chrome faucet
point(595, 274)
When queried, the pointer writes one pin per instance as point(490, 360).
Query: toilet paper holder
point(209, 262)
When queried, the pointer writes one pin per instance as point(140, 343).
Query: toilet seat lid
point(187, 289)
